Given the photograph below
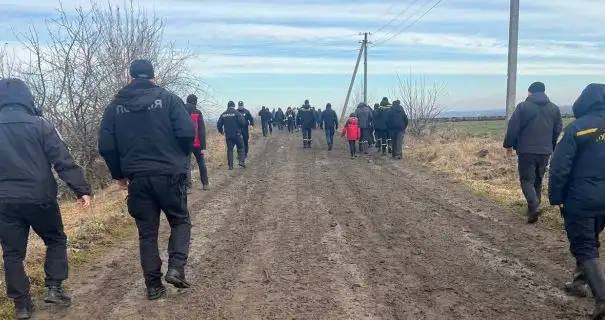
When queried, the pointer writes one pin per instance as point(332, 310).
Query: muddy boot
point(593, 272)
point(242, 164)
point(177, 279)
point(230, 167)
point(24, 311)
point(329, 147)
point(154, 293)
point(577, 287)
point(533, 216)
point(57, 296)
point(205, 187)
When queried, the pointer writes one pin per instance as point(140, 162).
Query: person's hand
point(205, 153)
point(509, 152)
point(123, 183)
point(84, 201)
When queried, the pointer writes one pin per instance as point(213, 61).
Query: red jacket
point(351, 129)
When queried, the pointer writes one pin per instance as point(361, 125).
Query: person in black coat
point(329, 121)
point(291, 119)
point(279, 118)
point(306, 119)
point(249, 122)
point(231, 124)
point(533, 131)
point(31, 147)
point(380, 125)
point(577, 185)
point(265, 119)
point(397, 123)
point(146, 138)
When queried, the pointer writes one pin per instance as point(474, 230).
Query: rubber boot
point(177, 279)
point(329, 147)
point(26, 311)
point(593, 272)
point(577, 287)
point(56, 295)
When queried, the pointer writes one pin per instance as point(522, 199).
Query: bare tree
point(358, 96)
point(420, 101)
point(76, 73)
point(8, 62)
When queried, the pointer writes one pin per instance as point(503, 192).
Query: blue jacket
point(577, 174)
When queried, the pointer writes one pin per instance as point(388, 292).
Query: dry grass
point(480, 164)
point(92, 231)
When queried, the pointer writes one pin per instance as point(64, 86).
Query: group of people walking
point(576, 178)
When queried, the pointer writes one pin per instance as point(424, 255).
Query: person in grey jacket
point(533, 131)
point(365, 116)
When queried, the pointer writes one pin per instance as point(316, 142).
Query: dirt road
point(312, 234)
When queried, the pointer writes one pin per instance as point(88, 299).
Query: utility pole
point(513, 45)
point(365, 67)
point(344, 108)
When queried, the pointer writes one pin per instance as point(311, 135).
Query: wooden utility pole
point(344, 108)
point(513, 46)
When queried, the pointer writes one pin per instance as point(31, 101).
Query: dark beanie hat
point(231, 104)
point(240, 103)
point(537, 87)
point(192, 99)
point(142, 69)
point(396, 103)
point(376, 105)
point(307, 101)
point(384, 102)
point(328, 106)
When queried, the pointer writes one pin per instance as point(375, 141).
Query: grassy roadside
point(94, 231)
point(479, 163)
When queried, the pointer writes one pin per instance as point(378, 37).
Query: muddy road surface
point(312, 234)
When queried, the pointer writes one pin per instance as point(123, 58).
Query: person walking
point(306, 119)
point(365, 117)
point(265, 119)
point(380, 125)
point(28, 195)
point(146, 137)
point(397, 123)
point(577, 185)
point(533, 131)
point(329, 121)
point(290, 119)
point(249, 123)
point(231, 124)
point(352, 132)
point(199, 143)
point(279, 119)
point(318, 119)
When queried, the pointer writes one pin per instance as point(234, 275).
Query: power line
point(397, 16)
point(375, 24)
point(411, 24)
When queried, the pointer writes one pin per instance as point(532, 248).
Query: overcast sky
point(278, 53)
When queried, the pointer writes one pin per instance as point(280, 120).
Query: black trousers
point(532, 168)
point(397, 143)
point(241, 147)
point(307, 135)
point(383, 138)
point(583, 235)
point(265, 126)
point(352, 147)
point(291, 126)
point(147, 197)
point(246, 138)
point(201, 164)
point(364, 140)
point(15, 222)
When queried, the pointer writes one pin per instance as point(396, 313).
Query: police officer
point(146, 137)
point(231, 124)
point(577, 184)
point(199, 143)
point(307, 121)
point(249, 122)
point(28, 194)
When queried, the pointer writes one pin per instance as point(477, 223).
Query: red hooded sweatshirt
point(351, 129)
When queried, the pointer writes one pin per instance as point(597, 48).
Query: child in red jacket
point(352, 132)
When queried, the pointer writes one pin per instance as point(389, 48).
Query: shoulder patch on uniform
point(587, 131)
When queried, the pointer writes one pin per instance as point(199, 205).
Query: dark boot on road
point(577, 287)
point(242, 164)
point(56, 295)
point(205, 187)
point(177, 279)
point(155, 293)
point(329, 147)
point(533, 216)
point(593, 272)
point(24, 311)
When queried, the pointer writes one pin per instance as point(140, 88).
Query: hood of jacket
point(306, 106)
point(16, 92)
point(190, 107)
point(353, 121)
point(539, 98)
point(138, 95)
point(591, 99)
point(397, 107)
